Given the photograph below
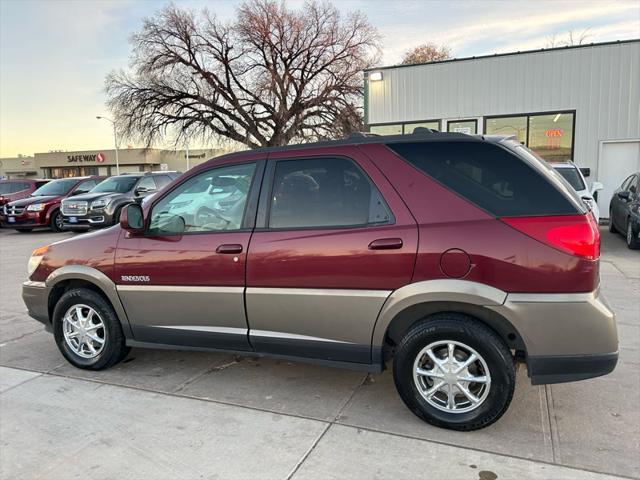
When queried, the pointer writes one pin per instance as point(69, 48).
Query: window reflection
point(551, 136)
point(510, 126)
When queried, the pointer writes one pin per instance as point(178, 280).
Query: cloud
point(525, 25)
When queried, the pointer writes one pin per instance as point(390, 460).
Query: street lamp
point(115, 140)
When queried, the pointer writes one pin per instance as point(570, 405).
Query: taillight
point(574, 234)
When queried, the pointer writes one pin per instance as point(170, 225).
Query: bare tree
point(270, 76)
point(569, 40)
point(427, 52)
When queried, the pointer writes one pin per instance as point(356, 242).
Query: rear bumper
point(568, 337)
point(569, 368)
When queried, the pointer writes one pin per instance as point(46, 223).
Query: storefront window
point(464, 126)
point(551, 136)
point(410, 127)
point(386, 129)
point(509, 126)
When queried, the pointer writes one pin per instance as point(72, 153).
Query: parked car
point(572, 174)
point(42, 207)
point(624, 211)
point(101, 207)
point(450, 256)
point(16, 189)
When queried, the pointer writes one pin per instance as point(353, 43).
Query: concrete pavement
point(165, 414)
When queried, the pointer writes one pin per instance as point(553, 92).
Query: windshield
point(115, 184)
point(56, 187)
point(572, 176)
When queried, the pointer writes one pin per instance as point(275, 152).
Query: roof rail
point(357, 135)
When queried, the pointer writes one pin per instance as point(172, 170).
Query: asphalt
point(165, 414)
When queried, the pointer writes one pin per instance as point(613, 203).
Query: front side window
point(147, 183)
point(327, 192)
point(209, 202)
point(56, 187)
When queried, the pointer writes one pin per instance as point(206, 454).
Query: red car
point(42, 207)
point(16, 189)
point(450, 256)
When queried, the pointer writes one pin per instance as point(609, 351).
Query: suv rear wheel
point(454, 372)
point(87, 330)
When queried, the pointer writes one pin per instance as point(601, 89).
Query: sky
point(55, 54)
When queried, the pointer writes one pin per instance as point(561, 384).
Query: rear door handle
point(229, 248)
point(386, 244)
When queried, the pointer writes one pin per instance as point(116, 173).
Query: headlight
point(35, 259)
point(100, 203)
point(35, 207)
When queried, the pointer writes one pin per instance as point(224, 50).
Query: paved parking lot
point(165, 414)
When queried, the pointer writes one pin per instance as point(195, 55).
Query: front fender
point(97, 278)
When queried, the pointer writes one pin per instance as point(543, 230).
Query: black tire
point(612, 227)
point(55, 221)
point(468, 331)
point(631, 236)
point(114, 349)
point(24, 230)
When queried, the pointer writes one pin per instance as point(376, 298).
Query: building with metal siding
point(580, 103)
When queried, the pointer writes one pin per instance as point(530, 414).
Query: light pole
point(115, 141)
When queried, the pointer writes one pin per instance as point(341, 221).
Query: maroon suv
point(452, 256)
point(42, 207)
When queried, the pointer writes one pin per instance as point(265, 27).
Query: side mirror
point(132, 219)
point(596, 186)
point(623, 195)
point(141, 191)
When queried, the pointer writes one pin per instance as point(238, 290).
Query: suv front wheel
point(454, 372)
point(87, 330)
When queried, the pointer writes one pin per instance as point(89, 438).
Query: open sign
point(554, 132)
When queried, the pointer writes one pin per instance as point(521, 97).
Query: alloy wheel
point(451, 376)
point(84, 331)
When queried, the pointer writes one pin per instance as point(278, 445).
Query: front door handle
point(386, 244)
point(229, 248)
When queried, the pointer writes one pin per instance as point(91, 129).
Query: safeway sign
point(87, 157)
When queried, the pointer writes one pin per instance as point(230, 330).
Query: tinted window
point(148, 183)
point(489, 176)
point(116, 184)
point(56, 187)
point(9, 187)
point(211, 201)
point(162, 181)
point(328, 192)
point(572, 176)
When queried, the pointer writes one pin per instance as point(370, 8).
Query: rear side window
point(324, 192)
point(489, 176)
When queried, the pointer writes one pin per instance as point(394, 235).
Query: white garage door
point(618, 160)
